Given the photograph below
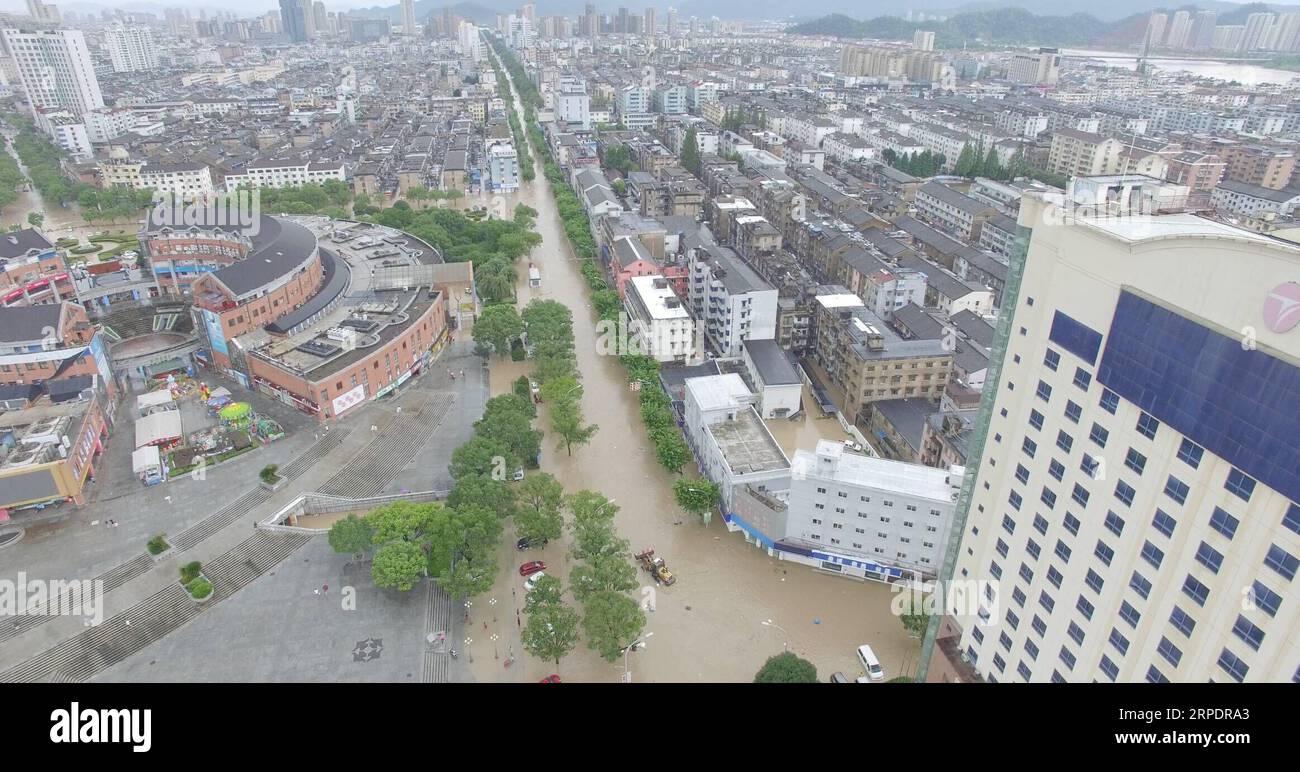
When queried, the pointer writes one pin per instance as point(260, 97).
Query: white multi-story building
point(131, 48)
point(67, 131)
point(658, 322)
point(732, 302)
point(731, 443)
point(285, 174)
point(573, 103)
point(870, 509)
point(1135, 497)
point(503, 167)
point(108, 124)
point(55, 69)
point(1042, 66)
point(184, 179)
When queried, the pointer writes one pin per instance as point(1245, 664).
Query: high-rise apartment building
point(131, 48)
point(1135, 474)
point(1156, 29)
point(55, 69)
point(1202, 37)
point(648, 25)
point(923, 40)
point(293, 21)
point(408, 17)
point(1180, 29)
point(1257, 27)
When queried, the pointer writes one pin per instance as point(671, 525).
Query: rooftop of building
point(746, 444)
point(938, 485)
point(772, 362)
point(658, 298)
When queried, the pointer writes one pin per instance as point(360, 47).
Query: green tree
point(514, 429)
point(481, 490)
point(914, 619)
point(965, 161)
point(673, 452)
point(567, 423)
point(698, 496)
point(551, 631)
point(398, 565)
point(497, 327)
point(546, 591)
point(786, 668)
point(482, 456)
point(351, 535)
point(35, 219)
point(691, 152)
point(608, 570)
point(539, 517)
point(611, 621)
point(468, 578)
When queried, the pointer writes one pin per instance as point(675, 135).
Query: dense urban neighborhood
point(440, 344)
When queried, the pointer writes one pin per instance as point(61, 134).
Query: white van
point(867, 658)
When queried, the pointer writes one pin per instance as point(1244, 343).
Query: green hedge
point(199, 588)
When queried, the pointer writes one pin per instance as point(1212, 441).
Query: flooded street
point(709, 626)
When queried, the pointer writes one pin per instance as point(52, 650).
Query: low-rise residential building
point(658, 322)
point(871, 510)
point(866, 361)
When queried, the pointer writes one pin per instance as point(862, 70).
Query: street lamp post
point(785, 643)
point(638, 642)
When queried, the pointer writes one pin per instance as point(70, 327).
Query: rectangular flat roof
point(880, 473)
point(747, 446)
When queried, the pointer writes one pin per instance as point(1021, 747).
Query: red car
point(550, 679)
point(531, 567)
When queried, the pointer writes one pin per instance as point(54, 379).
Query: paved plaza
point(282, 628)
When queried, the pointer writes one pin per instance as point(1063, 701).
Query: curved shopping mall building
point(321, 328)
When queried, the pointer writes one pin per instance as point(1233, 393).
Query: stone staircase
point(379, 463)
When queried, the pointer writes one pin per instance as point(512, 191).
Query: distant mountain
point(474, 12)
point(1005, 26)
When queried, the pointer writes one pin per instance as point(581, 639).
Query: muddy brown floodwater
point(709, 626)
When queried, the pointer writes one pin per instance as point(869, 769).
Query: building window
point(1104, 552)
point(1154, 676)
point(1056, 469)
point(1109, 401)
point(1176, 489)
point(1135, 461)
point(1140, 585)
point(1281, 561)
point(1248, 632)
point(1114, 523)
point(1035, 419)
point(1147, 426)
point(1224, 523)
point(1118, 640)
point(1265, 598)
point(1190, 453)
point(1052, 360)
point(1233, 665)
point(1082, 378)
point(1071, 524)
point(1169, 651)
point(1195, 590)
point(1182, 622)
point(1064, 441)
point(1099, 435)
point(1093, 580)
point(1240, 485)
point(1073, 411)
point(1209, 557)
